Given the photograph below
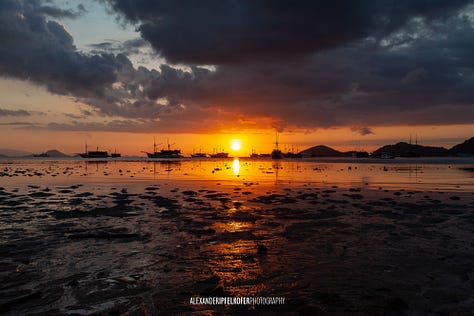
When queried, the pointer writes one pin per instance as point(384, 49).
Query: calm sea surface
point(455, 174)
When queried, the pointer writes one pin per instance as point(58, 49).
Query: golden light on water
point(236, 166)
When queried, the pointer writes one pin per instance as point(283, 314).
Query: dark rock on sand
point(189, 192)
point(160, 201)
point(104, 235)
point(41, 194)
point(355, 196)
point(274, 199)
point(261, 249)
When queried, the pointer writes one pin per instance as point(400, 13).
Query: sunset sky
point(348, 74)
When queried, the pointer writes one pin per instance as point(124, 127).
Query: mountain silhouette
point(53, 153)
point(463, 149)
point(403, 149)
point(322, 151)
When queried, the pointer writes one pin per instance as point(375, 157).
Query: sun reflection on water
point(236, 166)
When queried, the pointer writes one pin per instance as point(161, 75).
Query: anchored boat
point(164, 153)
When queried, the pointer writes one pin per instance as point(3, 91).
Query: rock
point(103, 235)
point(261, 249)
point(73, 283)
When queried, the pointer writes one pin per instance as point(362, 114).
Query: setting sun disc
point(236, 144)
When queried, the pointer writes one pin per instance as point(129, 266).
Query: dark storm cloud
point(362, 130)
point(128, 47)
point(223, 31)
point(311, 64)
point(21, 124)
point(353, 86)
point(40, 50)
point(5, 112)
point(195, 123)
point(57, 12)
point(284, 64)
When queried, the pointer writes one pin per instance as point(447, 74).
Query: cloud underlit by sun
point(236, 144)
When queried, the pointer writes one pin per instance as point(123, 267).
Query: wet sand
point(146, 248)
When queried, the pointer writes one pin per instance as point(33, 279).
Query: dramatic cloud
point(316, 63)
point(5, 112)
point(127, 47)
point(280, 64)
point(362, 130)
point(217, 32)
point(40, 50)
point(21, 124)
point(57, 12)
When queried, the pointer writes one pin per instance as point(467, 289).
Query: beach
point(122, 237)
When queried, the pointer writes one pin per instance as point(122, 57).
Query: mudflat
point(147, 248)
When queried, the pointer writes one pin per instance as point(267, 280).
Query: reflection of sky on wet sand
point(237, 265)
point(226, 227)
point(232, 226)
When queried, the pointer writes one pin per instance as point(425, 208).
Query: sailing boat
point(94, 154)
point(115, 154)
point(254, 154)
point(200, 154)
point(220, 154)
point(276, 153)
point(164, 153)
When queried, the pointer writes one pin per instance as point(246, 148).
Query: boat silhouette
point(164, 153)
point(199, 154)
point(220, 154)
point(94, 153)
point(276, 153)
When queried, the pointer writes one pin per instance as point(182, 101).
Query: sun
point(236, 144)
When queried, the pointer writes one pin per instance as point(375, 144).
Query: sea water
point(414, 173)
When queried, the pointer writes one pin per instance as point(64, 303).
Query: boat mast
point(276, 140)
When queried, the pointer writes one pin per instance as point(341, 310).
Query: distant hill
point(53, 153)
point(466, 148)
point(403, 149)
point(325, 151)
point(322, 151)
point(56, 154)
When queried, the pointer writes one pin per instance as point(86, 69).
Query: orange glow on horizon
point(251, 141)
